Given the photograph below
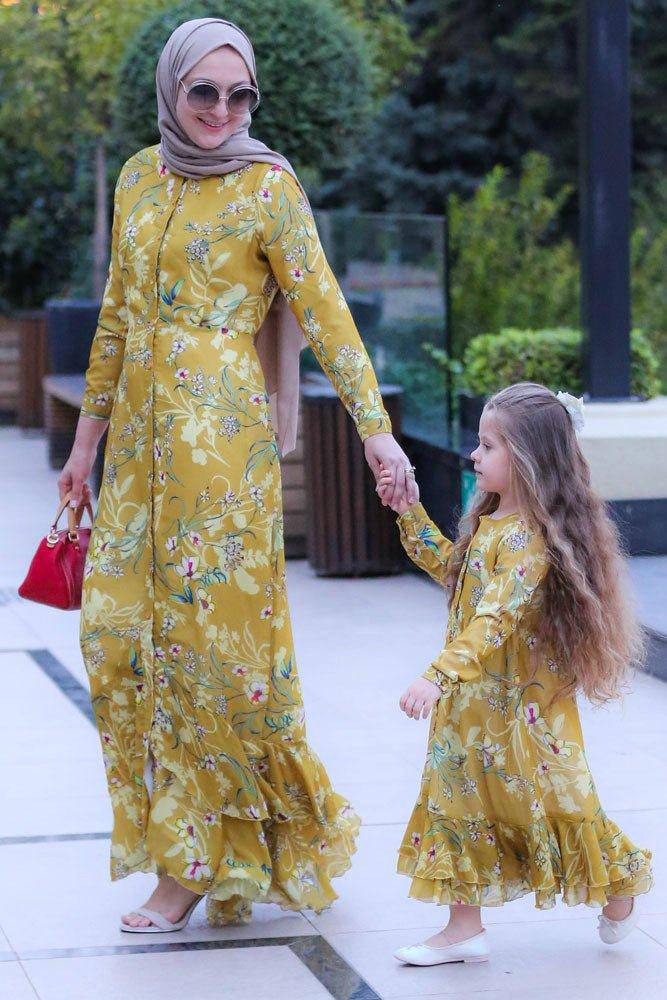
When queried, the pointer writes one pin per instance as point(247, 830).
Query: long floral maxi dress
point(507, 804)
point(185, 626)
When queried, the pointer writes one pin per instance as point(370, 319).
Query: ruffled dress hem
point(488, 863)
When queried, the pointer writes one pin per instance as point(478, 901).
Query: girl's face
point(491, 458)
point(210, 128)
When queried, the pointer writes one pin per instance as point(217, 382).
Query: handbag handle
point(74, 518)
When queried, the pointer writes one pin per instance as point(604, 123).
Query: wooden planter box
point(10, 340)
point(23, 364)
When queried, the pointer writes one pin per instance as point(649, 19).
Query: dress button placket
point(146, 724)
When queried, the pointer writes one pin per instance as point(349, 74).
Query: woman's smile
point(213, 125)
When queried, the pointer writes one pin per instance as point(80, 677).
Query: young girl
point(538, 612)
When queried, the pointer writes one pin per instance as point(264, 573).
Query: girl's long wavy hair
point(587, 618)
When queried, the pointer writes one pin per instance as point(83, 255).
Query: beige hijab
point(279, 340)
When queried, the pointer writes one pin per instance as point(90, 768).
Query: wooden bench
point(63, 395)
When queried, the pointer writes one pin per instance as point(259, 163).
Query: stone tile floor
point(358, 642)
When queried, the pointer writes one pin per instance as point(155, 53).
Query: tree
point(313, 71)
point(58, 69)
point(495, 81)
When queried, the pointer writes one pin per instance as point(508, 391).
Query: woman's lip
point(209, 125)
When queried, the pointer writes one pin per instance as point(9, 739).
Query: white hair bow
point(575, 407)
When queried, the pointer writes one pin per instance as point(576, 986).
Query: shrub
point(552, 357)
point(507, 265)
point(313, 70)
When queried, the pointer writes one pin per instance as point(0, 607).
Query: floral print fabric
point(507, 804)
point(185, 626)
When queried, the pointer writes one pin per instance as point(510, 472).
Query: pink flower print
point(162, 478)
point(197, 869)
point(161, 169)
point(257, 399)
point(186, 832)
point(160, 653)
point(252, 812)
point(182, 374)
point(431, 854)
point(415, 840)
point(170, 187)
point(171, 544)
point(490, 839)
point(531, 713)
point(107, 739)
point(265, 195)
point(209, 819)
point(209, 762)
point(174, 649)
point(157, 451)
point(239, 670)
point(477, 564)
point(323, 846)
point(277, 169)
point(558, 747)
point(257, 692)
point(195, 538)
point(281, 817)
point(543, 767)
point(266, 612)
point(205, 601)
point(534, 805)
point(296, 273)
point(162, 680)
point(521, 572)
point(188, 568)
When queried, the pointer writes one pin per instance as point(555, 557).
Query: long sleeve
point(520, 566)
point(106, 352)
point(424, 542)
point(288, 237)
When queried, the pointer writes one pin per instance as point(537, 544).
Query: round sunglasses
point(202, 95)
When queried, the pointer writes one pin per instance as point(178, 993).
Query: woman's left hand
point(383, 452)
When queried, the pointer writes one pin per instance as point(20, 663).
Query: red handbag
point(55, 576)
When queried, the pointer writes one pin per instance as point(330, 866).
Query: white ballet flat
point(474, 949)
point(613, 931)
point(160, 924)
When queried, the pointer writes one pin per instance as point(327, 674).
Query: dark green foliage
point(552, 357)
point(313, 74)
point(496, 80)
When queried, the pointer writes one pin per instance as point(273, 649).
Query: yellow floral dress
point(185, 626)
point(507, 804)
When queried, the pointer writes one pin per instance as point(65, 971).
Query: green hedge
point(314, 76)
point(552, 357)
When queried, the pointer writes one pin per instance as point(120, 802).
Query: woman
point(185, 627)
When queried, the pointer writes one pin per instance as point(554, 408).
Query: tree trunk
point(101, 233)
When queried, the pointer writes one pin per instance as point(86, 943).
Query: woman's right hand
point(75, 474)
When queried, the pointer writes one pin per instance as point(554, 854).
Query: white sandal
point(473, 949)
point(159, 924)
point(613, 931)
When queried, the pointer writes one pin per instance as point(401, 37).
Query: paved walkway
point(359, 643)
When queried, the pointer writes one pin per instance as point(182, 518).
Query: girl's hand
point(420, 698)
point(383, 452)
point(383, 491)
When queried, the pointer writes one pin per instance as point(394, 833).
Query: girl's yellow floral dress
point(507, 803)
point(185, 626)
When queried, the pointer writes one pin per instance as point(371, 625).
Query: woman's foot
point(170, 898)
